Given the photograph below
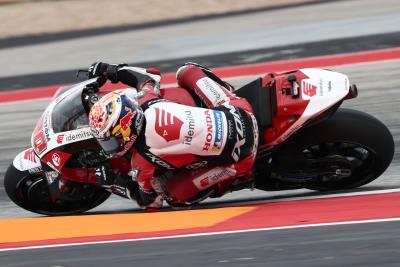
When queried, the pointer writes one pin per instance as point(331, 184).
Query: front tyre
point(31, 192)
point(357, 145)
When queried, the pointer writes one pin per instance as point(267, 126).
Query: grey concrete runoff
point(262, 30)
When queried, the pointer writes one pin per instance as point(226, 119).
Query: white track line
point(205, 234)
point(350, 194)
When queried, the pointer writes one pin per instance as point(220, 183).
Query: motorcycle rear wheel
point(362, 140)
point(31, 192)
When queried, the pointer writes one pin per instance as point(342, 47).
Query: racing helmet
point(116, 121)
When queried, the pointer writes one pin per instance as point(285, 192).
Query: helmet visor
point(112, 145)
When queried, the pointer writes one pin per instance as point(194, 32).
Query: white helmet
point(116, 121)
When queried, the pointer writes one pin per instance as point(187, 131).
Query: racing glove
point(116, 183)
point(145, 199)
point(132, 76)
point(104, 174)
point(101, 69)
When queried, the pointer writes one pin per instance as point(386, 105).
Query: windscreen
point(69, 114)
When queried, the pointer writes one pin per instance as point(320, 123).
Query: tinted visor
point(112, 145)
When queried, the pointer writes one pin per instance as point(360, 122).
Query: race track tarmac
point(369, 244)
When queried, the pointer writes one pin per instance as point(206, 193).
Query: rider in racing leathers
point(209, 150)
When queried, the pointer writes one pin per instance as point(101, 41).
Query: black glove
point(100, 69)
point(104, 174)
point(143, 198)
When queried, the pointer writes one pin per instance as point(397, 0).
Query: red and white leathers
point(206, 148)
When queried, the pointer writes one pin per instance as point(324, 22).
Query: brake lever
point(86, 73)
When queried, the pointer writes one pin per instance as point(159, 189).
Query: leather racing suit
point(208, 150)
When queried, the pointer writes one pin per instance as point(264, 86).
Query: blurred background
point(44, 42)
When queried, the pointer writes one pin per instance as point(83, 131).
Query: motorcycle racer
point(200, 152)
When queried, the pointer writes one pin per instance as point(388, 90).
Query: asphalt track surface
point(354, 245)
point(344, 245)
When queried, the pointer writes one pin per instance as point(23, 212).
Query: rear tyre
point(31, 192)
point(358, 141)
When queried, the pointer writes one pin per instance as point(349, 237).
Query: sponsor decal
point(74, 137)
point(321, 87)
point(196, 165)
point(60, 138)
point(309, 89)
point(126, 121)
point(240, 138)
point(30, 155)
point(212, 87)
point(218, 131)
point(128, 145)
point(51, 176)
point(255, 136)
point(35, 170)
point(46, 126)
point(329, 86)
point(212, 91)
point(159, 161)
point(167, 125)
point(110, 108)
point(56, 159)
point(124, 126)
point(189, 135)
point(39, 142)
point(213, 177)
point(230, 129)
point(209, 133)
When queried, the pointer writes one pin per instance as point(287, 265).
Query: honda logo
point(309, 89)
point(167, 125)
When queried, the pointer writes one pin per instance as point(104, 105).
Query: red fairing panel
point(289, 109)
point(316, 91)
point(56, 159)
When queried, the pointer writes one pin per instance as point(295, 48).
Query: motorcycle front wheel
point(31, 192)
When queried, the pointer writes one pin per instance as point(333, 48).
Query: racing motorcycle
point(306, 141)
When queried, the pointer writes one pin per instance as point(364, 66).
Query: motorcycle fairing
point(46, 138)
point(27, 160)
point(317, 91)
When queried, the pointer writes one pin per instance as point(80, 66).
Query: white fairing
point(331, 87)
point(27, 161)
point(323, 89)
point(54, 140)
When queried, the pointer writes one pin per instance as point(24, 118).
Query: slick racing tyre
point(355, 145)
point(31, 192)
